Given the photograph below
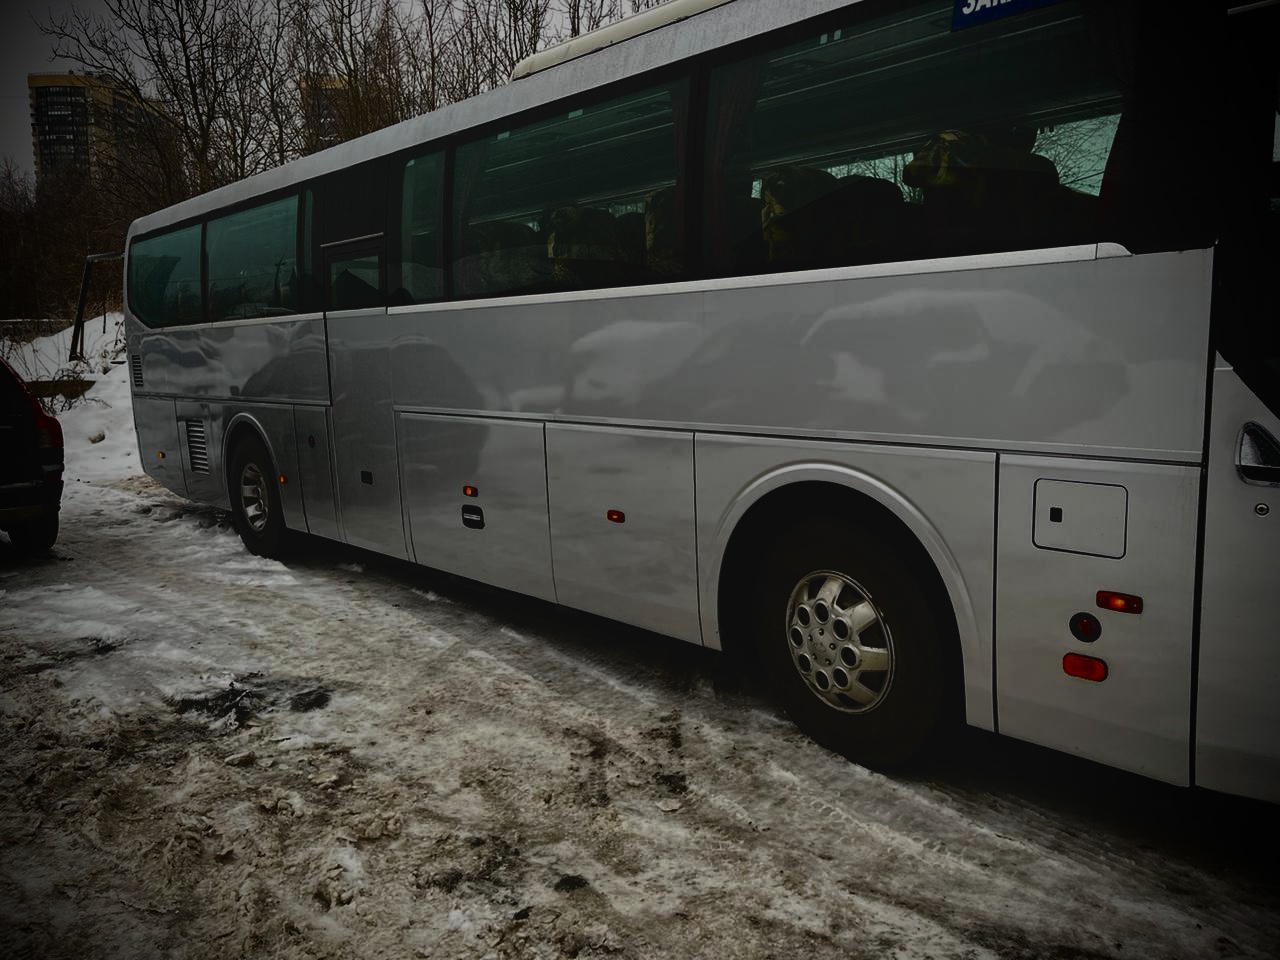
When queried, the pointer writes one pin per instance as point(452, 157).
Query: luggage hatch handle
point(1258, 456)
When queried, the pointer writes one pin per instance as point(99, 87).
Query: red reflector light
point(1086, 668)
point(1119, 602)
point(1085, 627)
point(283, 479)
point(470, 491)
point(616, 516)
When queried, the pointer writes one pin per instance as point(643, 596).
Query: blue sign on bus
point(968, 13)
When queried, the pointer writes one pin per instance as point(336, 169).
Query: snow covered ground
point(211, 755)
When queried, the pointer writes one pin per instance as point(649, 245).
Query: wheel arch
point(765, 502)
point(244, 424)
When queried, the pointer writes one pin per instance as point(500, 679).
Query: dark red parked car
point(30, 466)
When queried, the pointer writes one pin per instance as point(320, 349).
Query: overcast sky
point(24, 49)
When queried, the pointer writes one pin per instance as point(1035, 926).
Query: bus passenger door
point(1237, 735)
point(1238, 710)
point(364, 437)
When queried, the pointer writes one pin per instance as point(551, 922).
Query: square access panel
point(1087, 518)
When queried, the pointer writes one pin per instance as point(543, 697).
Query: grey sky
point(24, 49)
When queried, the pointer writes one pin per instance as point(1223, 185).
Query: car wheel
point(255, 500)
point(851, 638)
point(33, 537)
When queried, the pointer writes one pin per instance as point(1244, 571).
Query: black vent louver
point(197, 446)
point(135, 367)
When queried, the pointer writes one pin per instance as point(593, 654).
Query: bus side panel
point(200, 429)
point(159, 447)
point(366, 465)
point(496, 530)
point(1043, 356)
point(946, 498)
point(1238, 708)
point(315, 470)
point(1071, 528)
point(640, 566)
point(274, 359)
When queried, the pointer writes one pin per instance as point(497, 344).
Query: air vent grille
point(197, 446)
point(135, 366)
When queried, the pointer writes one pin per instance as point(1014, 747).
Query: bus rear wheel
point(255, 500)
point(851, 639)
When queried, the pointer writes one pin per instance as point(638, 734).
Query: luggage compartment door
point(475, 491)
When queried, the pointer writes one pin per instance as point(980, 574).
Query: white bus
point(925, 351)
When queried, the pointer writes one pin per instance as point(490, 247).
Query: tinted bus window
point(253, 265)
point(355, 280)
point(590, 197)
point(354, 202)
point(421, 195)
point(164, 278)
point(898, 139)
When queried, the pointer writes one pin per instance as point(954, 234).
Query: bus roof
point(611, 33)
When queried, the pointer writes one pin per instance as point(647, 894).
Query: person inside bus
point(812, 219)
point(986, 192)
point(505, 258)
point(662, 255)
point(586, 249)
point(794, 217)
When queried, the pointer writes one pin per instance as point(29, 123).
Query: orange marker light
point(1119, 602)
point(159, 454)
point(470, 491)
point(615, 516)
point(283, 479)
point(1086, 668)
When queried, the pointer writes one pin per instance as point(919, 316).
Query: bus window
point(355, 278)
point(587, 198)
point(252, 261)
point(164, 278)
point(898, 139)
point(421, 274)
point(354, 202)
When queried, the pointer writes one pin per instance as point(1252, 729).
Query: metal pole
point(77, 332)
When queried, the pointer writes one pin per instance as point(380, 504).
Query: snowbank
point(98, 428)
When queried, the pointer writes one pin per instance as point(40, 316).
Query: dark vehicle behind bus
point(31, 464)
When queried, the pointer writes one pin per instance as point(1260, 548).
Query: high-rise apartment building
point(81, 123)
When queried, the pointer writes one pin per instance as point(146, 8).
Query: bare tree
point(170, 54)
point(586, 15)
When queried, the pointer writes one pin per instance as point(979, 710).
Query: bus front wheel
point(255, 500)
point(850, 638)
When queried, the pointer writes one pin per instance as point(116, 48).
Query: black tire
point(888, 716)
point(34, 537)
point(259, 516)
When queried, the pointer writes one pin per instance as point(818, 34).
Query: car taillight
point(48, 429)
point(49, 439)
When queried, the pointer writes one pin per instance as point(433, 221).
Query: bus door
point(368, 489)
point(1237, 705)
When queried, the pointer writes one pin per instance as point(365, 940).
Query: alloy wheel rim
point(253, 497)
point(839, 642)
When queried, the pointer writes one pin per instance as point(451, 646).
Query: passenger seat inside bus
point(984, 193)
point(813, 219)
point(587, 249)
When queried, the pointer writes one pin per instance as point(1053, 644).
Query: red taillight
point(1119, 602)
point(1086, 668)
point(615, 516)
